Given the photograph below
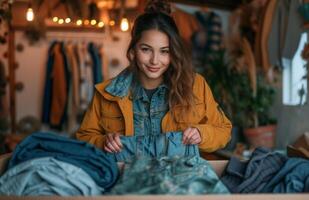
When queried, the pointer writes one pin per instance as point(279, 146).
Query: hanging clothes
point(87, 82)
point(96, 64)
point(186, 23)
point(60, 87)
point(208, 40)
point(73, 96)
point(286, 30)
point(47, 97)
point(71, 72)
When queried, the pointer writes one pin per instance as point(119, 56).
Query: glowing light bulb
point(124, 25)
point(86, 22)
point(93, 22)
point(79, 22)
point(67, 20)
point(100, 24)
point(55, 19)
point(60, 21)
point(29, 14)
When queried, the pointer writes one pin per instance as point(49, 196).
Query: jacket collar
point(120, 85)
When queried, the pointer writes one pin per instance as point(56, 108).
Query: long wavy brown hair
point(179, 75)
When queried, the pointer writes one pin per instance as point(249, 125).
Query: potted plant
point(248, 110)
point(258, 126)
point(222, 80)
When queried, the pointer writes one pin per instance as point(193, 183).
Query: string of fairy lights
point(124, 24)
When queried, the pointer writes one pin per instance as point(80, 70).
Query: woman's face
point(153, 58)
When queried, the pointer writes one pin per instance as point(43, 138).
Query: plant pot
point(261, 136)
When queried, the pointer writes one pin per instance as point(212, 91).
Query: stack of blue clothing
point(60, 153)
point(49, 164)
point(267, 172)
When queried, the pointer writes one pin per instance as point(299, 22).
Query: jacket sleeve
point(90, 130)
point(215, 129)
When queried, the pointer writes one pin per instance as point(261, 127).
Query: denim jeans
point(155, 146)
point(169, 175)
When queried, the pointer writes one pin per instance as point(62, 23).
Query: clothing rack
point(73, 36)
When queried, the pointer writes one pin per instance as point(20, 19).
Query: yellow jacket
point(113, 114)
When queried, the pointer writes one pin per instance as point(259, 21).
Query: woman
point(157, 93)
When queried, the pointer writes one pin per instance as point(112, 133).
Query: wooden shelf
point(306, 25)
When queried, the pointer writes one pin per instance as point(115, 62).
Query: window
point(294, 84)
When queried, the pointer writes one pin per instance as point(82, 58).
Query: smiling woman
point(156, 94)
point(152, 56)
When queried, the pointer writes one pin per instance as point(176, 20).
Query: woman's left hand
point(191, 136)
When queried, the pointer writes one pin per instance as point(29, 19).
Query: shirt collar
point(120, 85)
point(139, 91)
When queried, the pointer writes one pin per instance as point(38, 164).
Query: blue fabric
point(207, 41)
point(47, 176)
point(154, 146)
point(292, 178)
point(48, 84)
point(97, 63)
point(169, 175)
point(147, 113)
point(147, 117)
point(98, 164)
point(121, 84)
point(252, 176)
point(211, 22)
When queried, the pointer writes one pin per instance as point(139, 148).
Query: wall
point(32, 65)
point(292, 120)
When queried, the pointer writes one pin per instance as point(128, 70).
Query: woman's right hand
point(112, 143)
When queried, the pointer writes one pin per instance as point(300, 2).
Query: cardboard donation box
point(218, 166)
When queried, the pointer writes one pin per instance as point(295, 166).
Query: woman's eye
point(145, 49)
point(165, 51)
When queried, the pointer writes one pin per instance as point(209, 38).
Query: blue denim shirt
point(147, 113)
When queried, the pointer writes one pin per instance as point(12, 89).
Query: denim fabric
point(293, 177)
point(98, 164)
point(166, 175)
point(47, 176)
point(120, 85)
point(252, 176)
point(48, 85)
point(155, 146)
point(147, 113)
point(97, 63)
